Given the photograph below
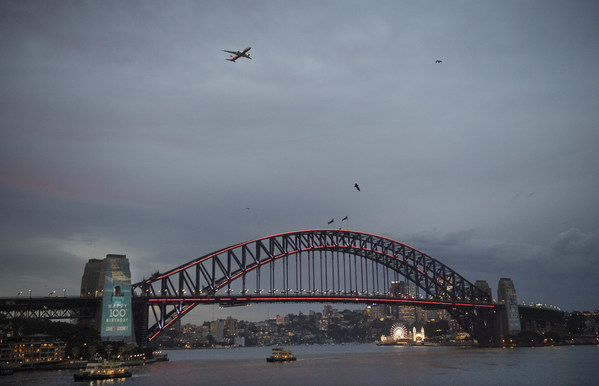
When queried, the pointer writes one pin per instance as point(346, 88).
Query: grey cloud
point(573, 242)
point(123, 124)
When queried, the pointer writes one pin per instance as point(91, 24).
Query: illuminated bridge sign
point(323, 266)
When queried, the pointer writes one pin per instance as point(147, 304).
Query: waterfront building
point(418, 336)
point(217, 330)
point(230, 326)
point(31, 350)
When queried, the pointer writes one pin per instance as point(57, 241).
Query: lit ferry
point(106, 370)
point(280, 355)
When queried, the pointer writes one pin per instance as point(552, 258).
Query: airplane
point(238, 54)
point(357, 187)
point(438, 61)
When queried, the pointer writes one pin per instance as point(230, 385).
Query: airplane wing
point(238, 54)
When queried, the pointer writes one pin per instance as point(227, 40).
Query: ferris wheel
point(399, 331)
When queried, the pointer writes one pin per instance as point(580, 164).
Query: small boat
point(398, 342)
point(160, 356)
point(105, 370)
point(279, 354)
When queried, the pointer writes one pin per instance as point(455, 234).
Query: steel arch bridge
point(319, 265)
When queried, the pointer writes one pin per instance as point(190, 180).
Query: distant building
point(175, 327)
point(506, 294)
point(31, 350)
point(378, 311)
point(217, 330)
point(402, 289)
point(437, 314)
point(229, 329)
point(411, 314)
point(239, 341)
point(328, 310)
point(397, 289)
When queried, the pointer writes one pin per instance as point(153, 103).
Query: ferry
point(398, 342)
point(280, 355)
point(105, 370)
point(159, 356)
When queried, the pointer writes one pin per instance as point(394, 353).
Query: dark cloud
point(575, 242)
point(124, 130)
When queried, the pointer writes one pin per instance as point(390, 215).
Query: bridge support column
point(140, 322)
point(480, 322)
point(485, 326)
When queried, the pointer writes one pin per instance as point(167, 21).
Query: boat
point(103, 370)
point(279, 354)
point(399, 342)
point(160, 356)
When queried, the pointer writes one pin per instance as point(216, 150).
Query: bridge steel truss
point(49, 308)
point(312, 265)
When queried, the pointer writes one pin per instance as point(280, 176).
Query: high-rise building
point(410, 315)
point(230, 327)
point(397, 289)
point(217, 330)
point(402, 289)
point(378, 311)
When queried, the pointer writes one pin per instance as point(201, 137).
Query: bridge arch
point(307, 265)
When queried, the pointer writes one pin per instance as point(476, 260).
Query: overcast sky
point(124, 130)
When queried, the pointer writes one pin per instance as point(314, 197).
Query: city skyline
point(125, 131)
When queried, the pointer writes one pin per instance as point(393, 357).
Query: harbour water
point(357, 365)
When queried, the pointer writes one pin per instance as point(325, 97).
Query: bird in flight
point(438, 61)
point(357, 187)
point(239, 54)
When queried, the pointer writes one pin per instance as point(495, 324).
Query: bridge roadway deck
point(242, 300)
point(51, 307)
